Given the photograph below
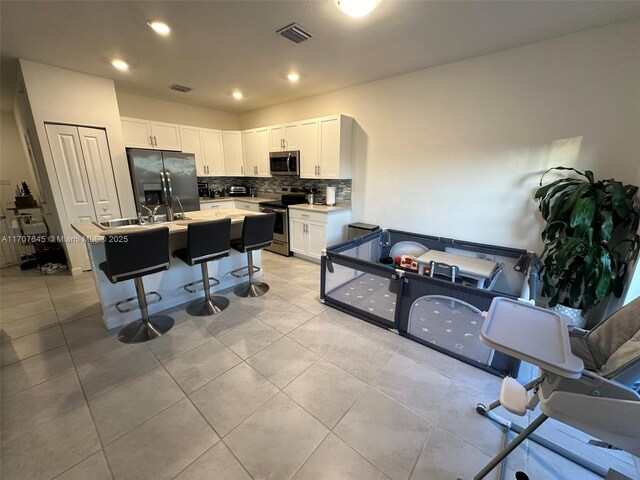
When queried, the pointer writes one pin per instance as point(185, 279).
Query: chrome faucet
point(181, 217)
point(151, 215)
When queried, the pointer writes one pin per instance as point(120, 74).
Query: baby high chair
point(588, 380)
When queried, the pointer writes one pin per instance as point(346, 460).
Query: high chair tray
point(536, 335)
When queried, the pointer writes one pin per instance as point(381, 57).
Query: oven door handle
point(272, 210)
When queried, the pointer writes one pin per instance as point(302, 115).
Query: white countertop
point(320, 208)
point(242, 199)
point(94, 234)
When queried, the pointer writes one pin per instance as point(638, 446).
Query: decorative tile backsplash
point(272, 186)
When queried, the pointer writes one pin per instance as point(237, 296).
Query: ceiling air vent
point(295, 33)
point(179, 88)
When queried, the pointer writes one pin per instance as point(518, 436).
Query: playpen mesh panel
point(355, 280)
point(451, 324)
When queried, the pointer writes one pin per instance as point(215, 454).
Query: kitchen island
point(169, 283)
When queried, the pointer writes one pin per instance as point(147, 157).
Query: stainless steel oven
point(285, 163)
point(280, 230)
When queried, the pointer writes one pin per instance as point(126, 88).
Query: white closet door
point(97, 160)
point(70, 170)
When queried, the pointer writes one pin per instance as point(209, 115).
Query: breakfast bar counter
point(169, 283)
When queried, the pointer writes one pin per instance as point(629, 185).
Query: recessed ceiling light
point(357, 8)
point(237, 94)
point(120, 64)
point(160, 28)
point(293, 76)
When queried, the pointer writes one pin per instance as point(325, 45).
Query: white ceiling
point(217, 46)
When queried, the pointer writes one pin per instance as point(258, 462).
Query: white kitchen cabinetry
point(139, 133)
point(206, 145)
point(255, 146)
point(233, 156)
point(192, 143)
point(254, 207)
point(212, 151)
point(326, 147)
point(250, 153)
point(84, 171)
point(216, 205)
point(285, 137)
point(310, 232)
point(309, 148)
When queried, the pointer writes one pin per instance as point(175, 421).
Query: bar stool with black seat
point(132, 255)
point(257, 233)
point(206, 241)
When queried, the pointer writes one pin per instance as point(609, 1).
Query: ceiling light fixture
point(120, 64)
point(237, 94)
point(293, 76)
point(160, 28)
point(357, 8)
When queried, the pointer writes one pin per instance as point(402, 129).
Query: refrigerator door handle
point(170, 189)
point(163, 182)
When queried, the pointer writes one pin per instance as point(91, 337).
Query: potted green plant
point(24, 199)
point(589, 239)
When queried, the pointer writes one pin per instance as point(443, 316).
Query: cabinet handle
point(151, 140)
point(155, 140)
point(305, 215)
point(318, 169)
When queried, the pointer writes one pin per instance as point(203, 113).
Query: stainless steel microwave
point(285, 163)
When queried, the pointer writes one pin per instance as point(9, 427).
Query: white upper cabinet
point(136, 133)
point(141, 133)
point(285, 137)
point(262, 141)
point(166, 136)
point(255, 145)
point(233, 158)
point(213, 151)
point(309, 148)
point(326, 147)
point(192, 143)
point(206, 145)
point(250, 151)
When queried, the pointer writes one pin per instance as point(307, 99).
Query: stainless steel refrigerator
point(159, 176)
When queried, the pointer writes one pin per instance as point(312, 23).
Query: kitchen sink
point(118, 222)
point(132, 222)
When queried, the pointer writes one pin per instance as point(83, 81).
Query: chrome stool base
point(253, 289)
point(143, 331)
point(204, 307)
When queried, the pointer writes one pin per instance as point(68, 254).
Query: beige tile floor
point(275, 387)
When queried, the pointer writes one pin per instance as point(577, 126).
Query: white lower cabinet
point(246, 205)
point(216, 205)
point(310, 232)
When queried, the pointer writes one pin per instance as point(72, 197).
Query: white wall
point(458, 150)
point(139, 106)
point(63, 96)
point(15, 167)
